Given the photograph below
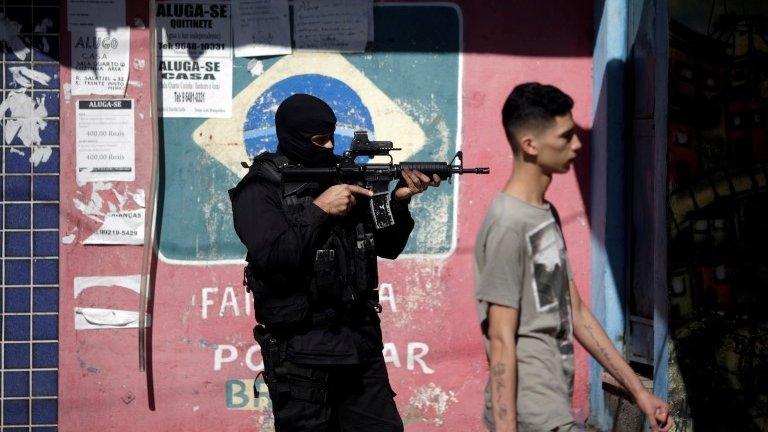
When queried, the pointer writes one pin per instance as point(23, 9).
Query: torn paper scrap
point(40, 154)
point(255, 67)
point(130, 282)
point(125, 227)
point(138, 198)
point(24, 76)
point(26, 118)
point(96, 318)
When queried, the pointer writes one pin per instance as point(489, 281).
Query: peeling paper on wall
point(24, 76)
point(138, 197)
point(120, 228)
point(130, 282)
point(121, 215)
point(255, 67)
point(40, 154)
point(26, 118)
point(92, 208)
point(96, 318)
point(69, 238)
point(99, 318)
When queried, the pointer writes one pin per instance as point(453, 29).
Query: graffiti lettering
point(387, 296)
point(229, 353)
point(228, 303)
point(240, 303)
point(415, 354)
point(240, 395)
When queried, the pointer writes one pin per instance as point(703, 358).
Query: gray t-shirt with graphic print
point(521, 262)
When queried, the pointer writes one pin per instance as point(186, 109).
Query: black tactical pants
point(322, 398)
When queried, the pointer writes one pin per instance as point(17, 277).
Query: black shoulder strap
point(270, 165)
point(265, 166)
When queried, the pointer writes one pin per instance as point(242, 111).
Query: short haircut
point(532, 105)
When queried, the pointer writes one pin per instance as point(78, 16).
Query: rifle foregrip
point(442, 169)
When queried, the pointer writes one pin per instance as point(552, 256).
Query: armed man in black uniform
point(312, 251)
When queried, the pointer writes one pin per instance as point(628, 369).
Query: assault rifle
point(374, 176)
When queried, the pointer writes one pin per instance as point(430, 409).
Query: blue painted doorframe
point(607, 195)
point(660, 291)
point(616, 33)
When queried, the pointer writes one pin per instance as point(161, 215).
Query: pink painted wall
point(508, 43)
point(505, 43)
point(98, 370)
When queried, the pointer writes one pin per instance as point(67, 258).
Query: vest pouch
point(325, 280)
point(366, 272)
point(280, 311)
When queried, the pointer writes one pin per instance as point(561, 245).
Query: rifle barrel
point(442, 169)
point(476, 171)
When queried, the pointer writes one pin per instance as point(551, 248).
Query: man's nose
point(575, 143)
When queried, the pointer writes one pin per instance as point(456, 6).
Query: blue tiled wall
point(29, 296)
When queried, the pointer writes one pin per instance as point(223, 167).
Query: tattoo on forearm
point(502, 409)
point(497, 374)
point(498, 370)
point(611, 366)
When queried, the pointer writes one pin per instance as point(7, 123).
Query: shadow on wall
point(510, 39)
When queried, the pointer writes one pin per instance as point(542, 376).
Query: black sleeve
point(391, 241)
point(273, 242)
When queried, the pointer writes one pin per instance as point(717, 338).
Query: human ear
point(529, 146)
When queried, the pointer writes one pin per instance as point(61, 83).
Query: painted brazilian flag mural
point(405, 90)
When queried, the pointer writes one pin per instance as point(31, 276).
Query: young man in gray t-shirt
point(529, 308)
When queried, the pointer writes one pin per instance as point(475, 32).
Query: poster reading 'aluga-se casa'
point(195, 64)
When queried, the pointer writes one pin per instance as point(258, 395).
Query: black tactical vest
point(342, 277)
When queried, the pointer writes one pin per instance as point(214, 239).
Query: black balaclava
point(297, 119)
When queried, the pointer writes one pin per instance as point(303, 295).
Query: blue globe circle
point(351, 113)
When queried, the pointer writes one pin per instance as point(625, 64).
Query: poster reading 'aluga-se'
point(195, 64)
